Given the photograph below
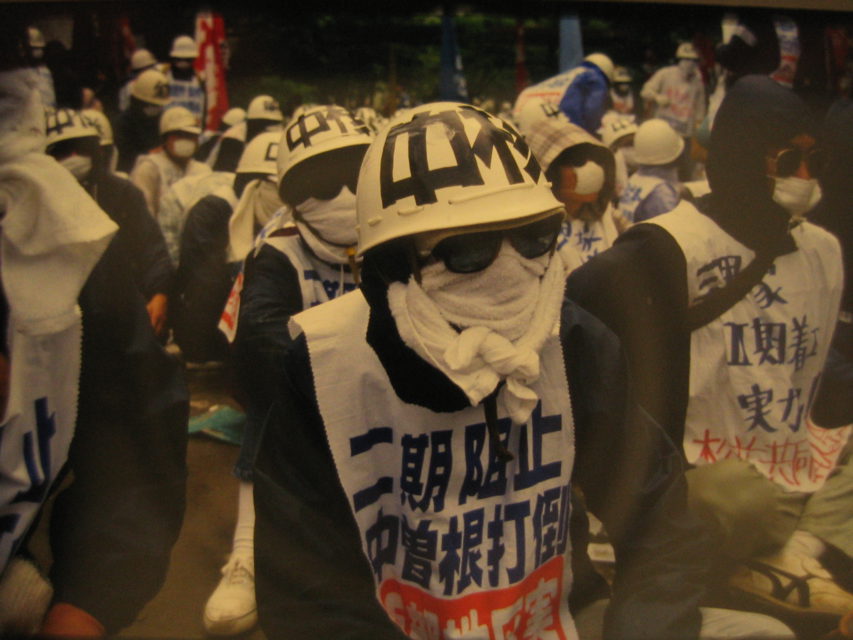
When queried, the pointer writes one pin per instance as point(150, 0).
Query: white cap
point(319, 130)
point(657, 143)
point(67, 124)
point(264, 108)
point(603, 62)
point(261, 154)
point(101, 123)
point(179, 118)
point(151, 86)
point(444, 166)
point(142, 59)
point(614, 129)
point(183, 47)
point(686, 51)
point(621, 74)
point(233, 116)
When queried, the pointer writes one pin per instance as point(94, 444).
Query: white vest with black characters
point(637, 189)
point(461, 544)
point(754, 370)
point(318, 281)
point(188, 94)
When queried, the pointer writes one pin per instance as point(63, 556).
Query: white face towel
point(332, 226)
point(255, 208)
point(505, 312)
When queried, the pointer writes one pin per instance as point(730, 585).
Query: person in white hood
point(84, 387)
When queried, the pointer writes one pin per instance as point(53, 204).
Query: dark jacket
point(203, 280)
point(308, 555)
point(139, 238)
point(112, 530)
point(136, 134)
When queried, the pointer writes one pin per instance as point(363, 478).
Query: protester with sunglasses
point(727, 310)
point(292, 267)
point(431, 424)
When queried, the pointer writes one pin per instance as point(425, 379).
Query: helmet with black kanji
point(68, 124)
point(151, 87)
point(323, 144)
point(448, 166)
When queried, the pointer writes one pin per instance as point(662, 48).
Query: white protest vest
point(318, 281)
point(170, 172)
point(638, 189)
point(579, 241)
point(754, 370)
point(38, 426)
point(189, 94)
point(461, 544)
point(550, 90)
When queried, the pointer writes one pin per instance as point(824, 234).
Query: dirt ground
point(205, 538)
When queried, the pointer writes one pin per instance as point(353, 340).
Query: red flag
point(210, 36)
point(521, 77)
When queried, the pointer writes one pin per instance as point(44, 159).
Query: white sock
point(806, 544)
point(244, 531)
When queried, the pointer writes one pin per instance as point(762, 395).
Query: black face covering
point(756, 116)
point(182, 68)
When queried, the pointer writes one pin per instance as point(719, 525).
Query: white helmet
point(536, 110)
point(260, 154)
point(614, 129)
point(183, 47)
point(603, 62)
point(67, 124)
point(233, 116)
point(301, 110)
point(319, 130)
point(369, 117)
point(264, 108)
point(179, 118)
point(686, 51)
point(101, 123)
point(35, 38)
point(621, 74)
point(446, 165)
point(657, 143)
point(151, 86)
point(142, 59)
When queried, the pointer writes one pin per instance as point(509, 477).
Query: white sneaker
point(231, 608)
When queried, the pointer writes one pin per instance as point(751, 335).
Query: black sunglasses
point(788, 161)
point(472, 252)
point(322, 177)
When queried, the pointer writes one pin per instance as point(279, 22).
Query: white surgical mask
point(79, 166)
point(152, 110)
point(796, 195)
point(183, 148)
point(333, 220)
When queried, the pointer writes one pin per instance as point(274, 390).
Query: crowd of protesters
point(464, 344)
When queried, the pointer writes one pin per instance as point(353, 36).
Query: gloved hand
point(661, 99)
point(65, 619)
